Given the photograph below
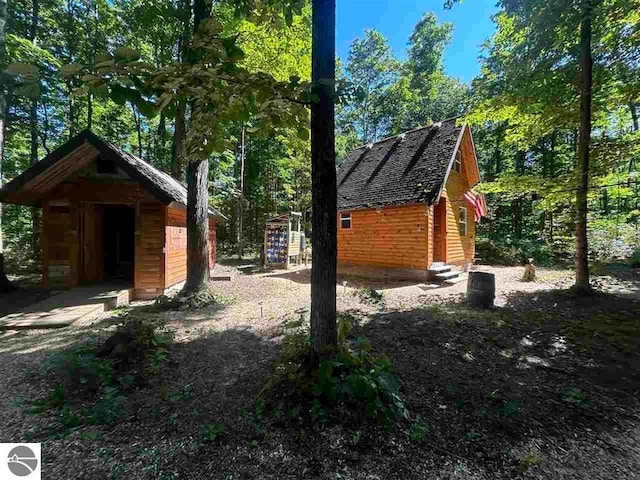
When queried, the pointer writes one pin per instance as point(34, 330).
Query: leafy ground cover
point(543, 387)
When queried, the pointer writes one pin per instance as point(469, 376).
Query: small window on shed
point(106, 166)
point(457, 162)
point(345, 221)
point(463, 221)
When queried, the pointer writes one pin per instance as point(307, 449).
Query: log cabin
point(108, 216)
point(401, 207)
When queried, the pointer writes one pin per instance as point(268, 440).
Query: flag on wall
point(479, 204)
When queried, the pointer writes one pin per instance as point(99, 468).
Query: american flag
point(479, 204)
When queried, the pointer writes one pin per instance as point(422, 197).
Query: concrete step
point(439, 268)
point(447, 275)
point(462, 277)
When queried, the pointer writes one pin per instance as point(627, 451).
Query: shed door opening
point(119, 242)
point(440, 232)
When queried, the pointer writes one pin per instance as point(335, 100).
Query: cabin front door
point(440, 232)
point(92, 244)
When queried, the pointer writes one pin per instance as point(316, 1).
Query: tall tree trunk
point(241, 195)
point(177, 147)
point(33, 126)
point(633, 108)
point(586, 79)
point(180, 128)
point(5, 284)
point(197, 201)
point(197, 226)
point(323, 174)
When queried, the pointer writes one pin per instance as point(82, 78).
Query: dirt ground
point(544, 386)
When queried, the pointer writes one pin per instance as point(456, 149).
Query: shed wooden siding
point(460, 249)
point(150, 241)
point(212, 243)
point(395, 236)
point(176, 246)
point(57, 238)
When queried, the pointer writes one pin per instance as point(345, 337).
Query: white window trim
point(464, 214)
point(346, 216)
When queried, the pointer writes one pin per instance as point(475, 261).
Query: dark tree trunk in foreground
point(197, 202)
point(5, 284)
point(323, 173)
point(586, 64)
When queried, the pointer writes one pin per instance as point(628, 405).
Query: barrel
point(481, 289)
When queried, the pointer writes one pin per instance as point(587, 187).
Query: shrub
point(508, 252)
point(354, 378)
point(609, 240)
point(635, 258)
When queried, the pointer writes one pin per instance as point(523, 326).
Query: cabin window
point(457, 162)
point(345, 221)
point(463, 221)
point(104, 165)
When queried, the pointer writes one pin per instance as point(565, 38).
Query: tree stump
point(529, 272)
point(481, 289)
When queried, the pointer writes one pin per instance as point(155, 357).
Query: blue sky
point(395, 19)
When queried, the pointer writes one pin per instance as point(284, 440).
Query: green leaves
point(25, 78)
point(126, 55)
point(23, 69)
point(70, 70)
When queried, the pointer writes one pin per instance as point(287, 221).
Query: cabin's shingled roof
point(398, 170)
point(161, 185)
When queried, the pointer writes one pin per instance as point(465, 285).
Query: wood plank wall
point(212, 243)
point(57, 238)
point(176, 246)
point(392, 237)
point(460, 249)
point(150, 241)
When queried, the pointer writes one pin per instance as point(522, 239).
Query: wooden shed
point(108, 215)
point(401, 206)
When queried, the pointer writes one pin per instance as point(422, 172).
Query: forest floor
point(545, 385)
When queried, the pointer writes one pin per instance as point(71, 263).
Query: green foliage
point(635, 258)
point(355, 377)
point(531, 459)
point(506, 252)
point(185, 393)
point(509, 409)
point(418, 430)
point(370, 296)
point(575, 396)
point(211, 431)
point(92, 379)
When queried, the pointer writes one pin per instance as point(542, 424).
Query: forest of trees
point(524, 108)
